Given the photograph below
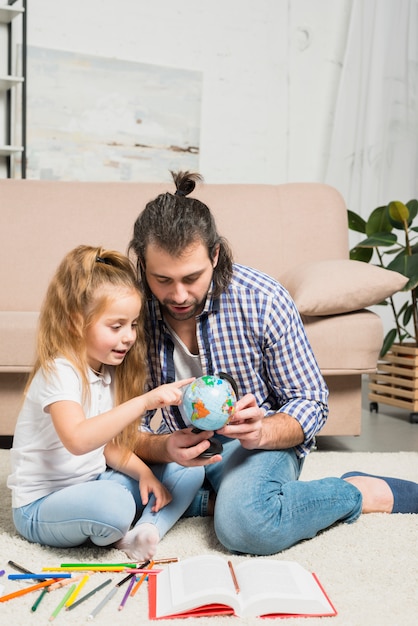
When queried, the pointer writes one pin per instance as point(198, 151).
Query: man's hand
point(184, 447)
point(246, 423)
point(256, 432)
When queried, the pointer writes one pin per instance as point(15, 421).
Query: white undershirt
point(186, 364)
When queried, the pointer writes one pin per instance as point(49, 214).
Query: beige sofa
point(295, 232)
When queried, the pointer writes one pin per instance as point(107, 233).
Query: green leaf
point(388, 342)
point(356, 222)
point(407, 315)
point(361, 254)
point(399, 215)
point(413, 208)
point(408, 266)
point(398, 211)
point(378, 239)
point(378, 222)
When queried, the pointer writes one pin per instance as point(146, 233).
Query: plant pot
point(396, 380)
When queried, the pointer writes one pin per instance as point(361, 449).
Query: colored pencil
point(141, 580)
point(101, 604)
point(77, 590)
point(127, 593)
point(37, 576)
point(19, 568)
point(233, 576)
point(89, 594)
point(22, 592)
point(88, 568)
point(109, 596)
point(121, 565)
point(133, 564)
point(64, 581)
point(61, 604)
point(39, 599)
point(115, 570)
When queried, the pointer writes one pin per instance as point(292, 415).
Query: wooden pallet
point(396, 380)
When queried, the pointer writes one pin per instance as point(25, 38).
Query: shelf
point(7, 82)
point(9, 150)
point(8, 13)
point(13, 88)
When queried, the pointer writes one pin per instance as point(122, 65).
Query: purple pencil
point(127, 592)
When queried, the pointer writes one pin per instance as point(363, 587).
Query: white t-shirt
point(39, 461)
point(186, 364)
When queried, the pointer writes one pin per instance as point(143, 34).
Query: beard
point(182, 312)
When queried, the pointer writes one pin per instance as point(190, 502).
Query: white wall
point(270, 70)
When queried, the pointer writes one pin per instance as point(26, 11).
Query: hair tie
point(179, 192)
point(100, 259)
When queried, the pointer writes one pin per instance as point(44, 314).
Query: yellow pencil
point(88, 568)
point(77, 590)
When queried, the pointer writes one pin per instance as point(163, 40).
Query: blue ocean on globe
point(209, 402)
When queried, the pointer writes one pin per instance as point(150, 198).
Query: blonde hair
point(77, 295)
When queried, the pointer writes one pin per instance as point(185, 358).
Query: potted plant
point(392, 242)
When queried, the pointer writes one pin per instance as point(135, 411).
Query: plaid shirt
point(253, 331)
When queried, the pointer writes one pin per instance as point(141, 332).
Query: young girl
point(74, 476)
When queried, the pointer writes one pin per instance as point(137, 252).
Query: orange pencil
point(141, 580)
point(234, 578)
point(22, 592)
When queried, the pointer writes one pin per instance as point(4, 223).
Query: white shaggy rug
point(369, 568)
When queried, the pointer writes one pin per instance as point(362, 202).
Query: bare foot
point(377, 495)
point(140, 543)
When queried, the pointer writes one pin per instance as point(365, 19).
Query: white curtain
point(373, 155)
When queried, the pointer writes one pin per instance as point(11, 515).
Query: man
point(206, 315)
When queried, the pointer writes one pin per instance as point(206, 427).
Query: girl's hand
point(166, 395)
point(149, 484)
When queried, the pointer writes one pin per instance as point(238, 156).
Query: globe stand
point(215, 446)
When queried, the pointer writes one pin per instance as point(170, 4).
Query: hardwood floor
point(389, 430)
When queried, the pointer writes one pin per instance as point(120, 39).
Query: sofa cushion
point(17, 340)
point(347, 343)
point(339, 286)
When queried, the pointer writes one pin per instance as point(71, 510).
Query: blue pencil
point(37, 576)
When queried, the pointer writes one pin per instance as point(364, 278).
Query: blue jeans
point(263, 508)
point(103, 510)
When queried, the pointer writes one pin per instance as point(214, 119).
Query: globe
point(209, 402)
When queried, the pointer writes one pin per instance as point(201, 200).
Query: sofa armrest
point(17, 340)
point(339, 286)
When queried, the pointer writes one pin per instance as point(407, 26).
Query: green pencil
point(38, 601)
point(87, 565)
point(63, 601)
